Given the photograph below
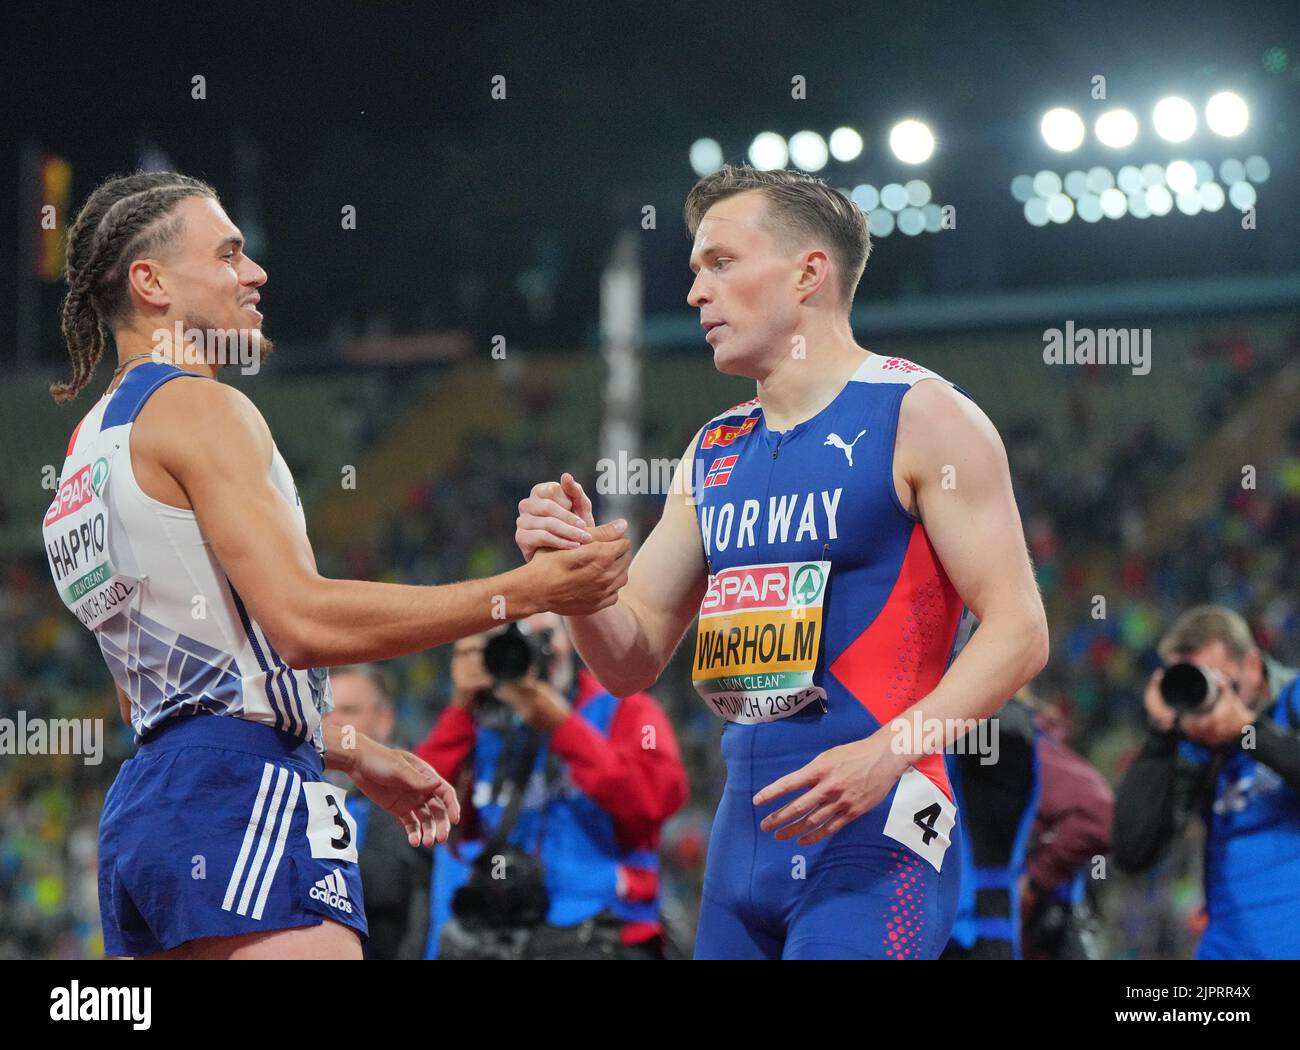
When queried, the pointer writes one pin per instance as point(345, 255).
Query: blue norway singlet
point(883, 625)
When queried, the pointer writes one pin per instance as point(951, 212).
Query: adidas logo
point(332, 890)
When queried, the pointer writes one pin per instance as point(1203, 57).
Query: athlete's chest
point(818, 492)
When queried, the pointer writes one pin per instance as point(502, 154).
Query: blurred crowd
point(1084, 532)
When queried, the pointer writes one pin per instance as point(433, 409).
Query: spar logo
point(725, 434)
point(78, 490)
point(808, 584)
point(760, 587)
point(99, 475)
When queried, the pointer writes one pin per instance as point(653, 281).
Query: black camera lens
point(1186, 687)
point(508, 656)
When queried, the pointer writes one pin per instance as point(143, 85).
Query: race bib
point(759, 635)
point(921, 817)
point(75, 531)
point(331, 831)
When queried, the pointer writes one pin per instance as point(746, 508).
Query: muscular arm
point(627, 645)
point(215, 446)
point(953, 466)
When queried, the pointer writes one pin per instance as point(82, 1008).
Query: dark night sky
point(387, 107)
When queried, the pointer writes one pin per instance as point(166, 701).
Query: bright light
point(1257, 169)
point(933, 218)
point(894, 197)
point(1062, 129)
point(911, 221)
point(1212, 196)
point(1174, 119)
point(1204, 173)
point(1036, 211)
point(1116, 128)
point(918, 193)
point(1129, 179)
point(1242, 195)
point(1232, 171)
point(1159, 201)
point(1022, 187)
point(846, 144)
point(866, 197)
point(1153, 175)
point(911, 141)
point(1226, 114)
point(1113, 204)
point(881, 222)
point(1180, 176)
point(1060, 208)
point(1137, 206)
point(1089, 208)
point(808, 150)
point(706, 157)
point(1100, 179)
point(1047, 184)
point(1076, 184)
point(768, 151)
point(1189, 202)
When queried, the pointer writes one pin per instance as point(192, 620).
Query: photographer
point(557, 856)
point(1222, 739)
point(395, 877)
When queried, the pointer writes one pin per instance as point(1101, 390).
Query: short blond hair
point(801, 207)
point(1204, 624)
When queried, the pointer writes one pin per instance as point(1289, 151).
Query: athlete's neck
point(131, 344)
point(801, 386)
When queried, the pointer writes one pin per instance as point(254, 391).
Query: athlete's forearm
point(1002, 655)
point(616, 648)
point(337, 755)
point(356, 621)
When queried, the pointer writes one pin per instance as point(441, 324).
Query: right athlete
point(828, 534)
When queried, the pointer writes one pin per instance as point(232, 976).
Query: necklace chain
point(133, 357)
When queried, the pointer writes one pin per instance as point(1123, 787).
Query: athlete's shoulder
point(744, 410)
point(726, 427)
point(210, 415)
point(206, 401)
point(898, 370)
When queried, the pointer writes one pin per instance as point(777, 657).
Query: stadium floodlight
point(866, 197)
point(1226, 114)
point(768, 151)
point(808, 151)
point(1116, 128)
point(918, 193)
point(911, 141)
point(706, 157)
point(1174, 119)
point(1062, 129)
point(893, 197)
point(846, 144)
point(1180, 176)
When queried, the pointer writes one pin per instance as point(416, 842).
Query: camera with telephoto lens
point(515, 652)
point(1189, 688)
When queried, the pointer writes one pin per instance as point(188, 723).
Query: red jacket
point(1075, 810)
point(639, 787)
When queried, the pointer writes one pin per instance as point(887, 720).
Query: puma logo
point(838, 442)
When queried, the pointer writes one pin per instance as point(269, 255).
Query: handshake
point(589, 564)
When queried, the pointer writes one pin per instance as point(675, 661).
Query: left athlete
point(177, 536)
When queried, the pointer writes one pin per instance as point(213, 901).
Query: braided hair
point(127, 218)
